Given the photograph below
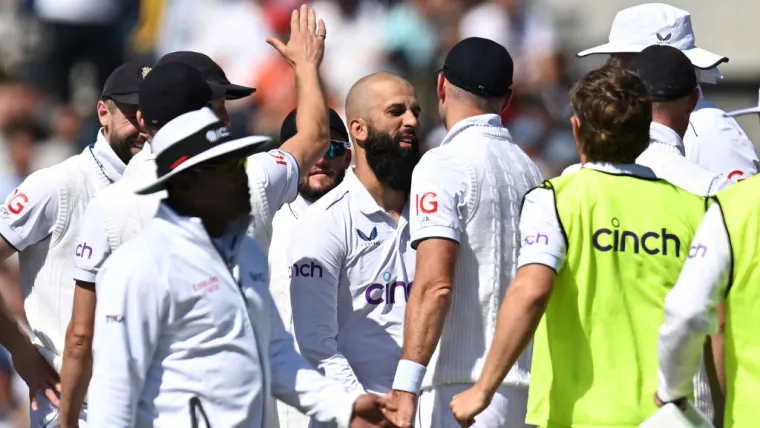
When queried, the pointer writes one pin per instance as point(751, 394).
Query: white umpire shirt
point(280, 173)
point(719, 144)
point(665, 157)
point(196, 321)
point(352, 271)
point(690, 307)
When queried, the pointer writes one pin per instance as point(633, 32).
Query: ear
point(576, 124)
point(507, 102)
point(359, 131)
point(693, 100)
point(141, 121)
point(441, 87)
point(103, 113)
point(348, 158)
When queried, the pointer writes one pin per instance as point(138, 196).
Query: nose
point(410, 120)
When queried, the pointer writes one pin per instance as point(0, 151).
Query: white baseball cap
point(644, 25)
point(193, 138)
point(750, 110)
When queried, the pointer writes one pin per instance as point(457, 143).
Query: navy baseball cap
point(211, 71)
point(123, 84)
point(667, 72)
point(171, 90)
point(337, 127)
point(479, 66)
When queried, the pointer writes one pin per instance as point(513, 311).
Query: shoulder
point(708, 120)
point(139, 256)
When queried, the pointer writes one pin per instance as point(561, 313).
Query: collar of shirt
point(491, 121)
point(112, 166)
point(298, 206)
point(192, 228)
point(662, 137)
point(621, 169)
point(365, 202)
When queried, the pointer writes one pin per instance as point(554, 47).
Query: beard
point(313, 193)
point(392, 164)
point(124, 145)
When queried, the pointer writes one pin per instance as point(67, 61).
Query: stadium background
point(43, 122)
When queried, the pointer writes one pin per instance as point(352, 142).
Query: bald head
point(371, 90)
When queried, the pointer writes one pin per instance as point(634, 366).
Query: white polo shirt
point(275, 171)
point(719, 144)
point(352, 271)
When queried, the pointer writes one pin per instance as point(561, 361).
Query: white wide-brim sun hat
point(191, 139)
point(638, 27)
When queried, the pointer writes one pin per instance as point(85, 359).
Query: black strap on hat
point(191, 146)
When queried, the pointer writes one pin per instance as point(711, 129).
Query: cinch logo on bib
point(620, 240)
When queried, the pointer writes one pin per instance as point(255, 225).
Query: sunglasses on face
point(337, 149)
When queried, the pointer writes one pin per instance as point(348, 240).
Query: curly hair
point(615, 110)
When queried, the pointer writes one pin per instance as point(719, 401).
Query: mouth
point(321, 173)
point(408, 140)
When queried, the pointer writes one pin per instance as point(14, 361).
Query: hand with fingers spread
point(468, 404)
point(306, 46)
point(36, 372)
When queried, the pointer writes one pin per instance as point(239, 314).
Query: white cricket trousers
point(46, 415)
point(507, 409)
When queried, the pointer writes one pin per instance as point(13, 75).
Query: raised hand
point(306, 46)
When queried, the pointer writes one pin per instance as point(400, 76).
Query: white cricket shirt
point(690, 307)
point(276, 173)
point(469, 190)
point(352, 270)
point(719, 144)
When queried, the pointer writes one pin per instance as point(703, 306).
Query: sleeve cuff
point(82, 275)
point(11, 237)
point(550, 260)
point(434, 232)
point(344, 415)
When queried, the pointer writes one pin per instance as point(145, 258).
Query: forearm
point(519, 317)
point(75, 375)
point(11, 336)
point(425, 316)
point(312, 139)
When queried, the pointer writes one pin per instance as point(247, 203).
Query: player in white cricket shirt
point(117, 214)
point(168, 91)
point(323, 177)
point(712, 140)
point(41, 219)
point(352, 263)
point(466, 195)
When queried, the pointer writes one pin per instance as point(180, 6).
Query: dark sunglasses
point(337, 149)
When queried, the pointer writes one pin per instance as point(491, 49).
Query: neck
point(388, 199)
point(678, 125)
point(458, 113)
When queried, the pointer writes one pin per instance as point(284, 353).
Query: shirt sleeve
point(30, 212)
point(316, 258)
point(279, 172)
point(128, 320)
point(734, 156)
point(295, 382)
point(439, 193)
point(691, 307)
point(92, 248)
point(543, 241)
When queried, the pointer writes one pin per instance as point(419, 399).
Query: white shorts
point(46, 415)
point(290, 417)
point(507, 409)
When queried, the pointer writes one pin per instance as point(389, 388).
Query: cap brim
point(699, 57)
point(751, 110)
point(235, 92)
point(132, 99)
point(243, 147)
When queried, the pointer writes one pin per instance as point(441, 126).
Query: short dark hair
point(615, 112)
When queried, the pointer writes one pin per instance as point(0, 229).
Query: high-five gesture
point(307, 39)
